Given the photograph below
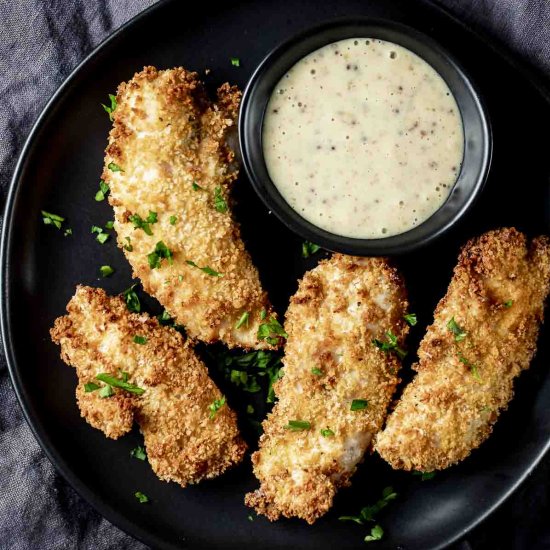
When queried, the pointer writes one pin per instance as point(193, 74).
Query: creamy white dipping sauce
point(363, 138)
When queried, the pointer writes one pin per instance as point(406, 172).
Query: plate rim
point(101, 506)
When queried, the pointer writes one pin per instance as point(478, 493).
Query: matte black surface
point(59, 171)
point(477, 135)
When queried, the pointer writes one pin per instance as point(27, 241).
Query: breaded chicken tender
point(336, 387)
point(484, 334)
point(170, 171)
point(190, 433)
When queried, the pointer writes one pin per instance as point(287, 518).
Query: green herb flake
point(327, 432)
point(173, 220)
point(316, 371)
point(111, 108)
point(197, 187)
point(132, 300)
point(359, 404)
point(425, 476)
point(250, 517)
point(52, 219)
point(390, 345)
point(103, 191)
point(206, 269)
point(143, 498)
point(263, 314)
point(368, 513)
point(90, 386)
point(508, 303)
point(471, 366)
point(219, 202)
point(249, 409)
point(114, 167)
point(109, 225)
point(119, 383)
point(376, 533)
point(106, 270)
point(67, 232)
point(215, 407)
point(144, 224)
point(235, 61)
point(309, 248)
point(138, 452)
point(298, 425)
point(271, 331)
point(106, 391)
point(410, 318)
point(140, 340)
point(128, 246)
point(161, 252)
point(243, 320)
point(102, 238)
point(459, 333)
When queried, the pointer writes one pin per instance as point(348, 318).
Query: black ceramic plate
point(59, 172)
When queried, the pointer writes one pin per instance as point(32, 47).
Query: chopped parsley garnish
point(197, 187)
point(263, 314)
point(243, 320)
point(470, 365)
point(52, 219)
point(103, 191)
point(67, 232)
point(327, 432)
point(106, 391)
point(298, 425)
point(90, 386)
point(141, 497)
point(128, 246)
point(140, 339)
point(101, 236)
point(106, 270)
point(459, 333)
point(368, 513)
point(272, 331)
point(359, 404)
point(132, 301)
point(161, 252)
point(249, 409)
point(119, 383)
point(206, 269)
point(164, 318)
point(410, 318)
point(216, 406)
point(219, 202)
point(145, 224)
point(425, 476)
point(250, 517)
point(114, 167)
point(173, 220)
point(110, 224)
point(235, 61)
point(508, 303)
point(376, 533)
point(246, 371)
point(138, 452)
point(390, 345)
point(309, 248)
point(316, 371)
point(110, 109)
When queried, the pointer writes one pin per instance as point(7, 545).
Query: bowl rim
point(395, 244)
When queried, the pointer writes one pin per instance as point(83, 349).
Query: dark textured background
point(41, 41)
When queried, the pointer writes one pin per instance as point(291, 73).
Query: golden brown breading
point(167, 139)
point(183, 443)
point(464, 381)
point(339, 308)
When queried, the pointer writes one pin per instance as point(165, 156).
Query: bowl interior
point(477, 134)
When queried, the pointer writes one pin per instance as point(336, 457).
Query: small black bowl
point(477, 133)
